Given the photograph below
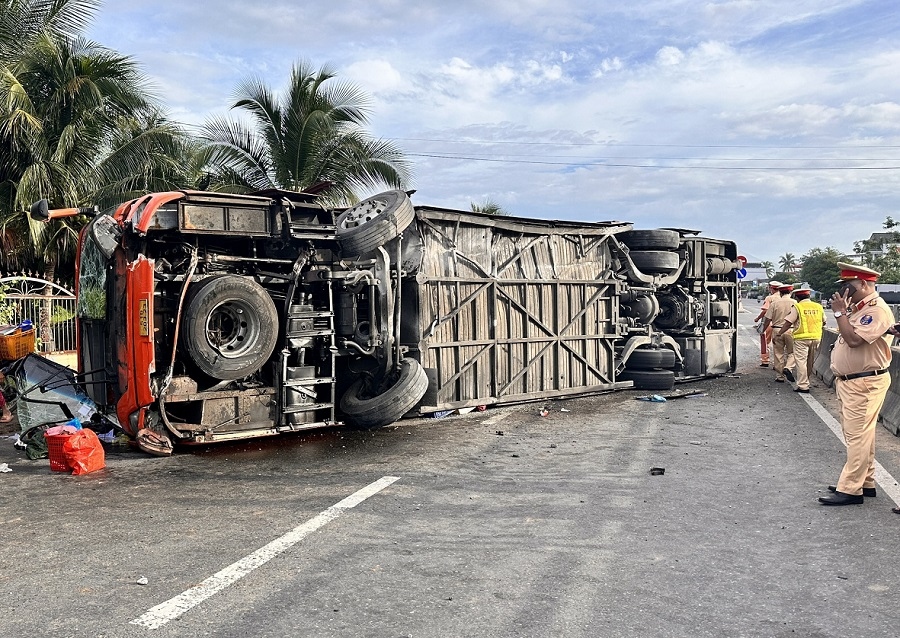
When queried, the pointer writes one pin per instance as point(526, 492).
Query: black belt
point(860, 375)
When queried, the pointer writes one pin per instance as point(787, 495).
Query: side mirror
point(106, 234)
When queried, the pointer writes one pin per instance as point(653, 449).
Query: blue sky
point(775, 124)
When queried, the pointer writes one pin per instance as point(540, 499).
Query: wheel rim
point(232, 328)
point(364, 212)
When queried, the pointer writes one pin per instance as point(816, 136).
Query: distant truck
point(207, 317)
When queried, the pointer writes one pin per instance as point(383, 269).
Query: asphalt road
point(502, 523)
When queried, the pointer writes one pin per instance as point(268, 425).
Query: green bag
point(35, 443)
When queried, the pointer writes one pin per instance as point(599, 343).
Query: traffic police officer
point(860, 361)
point(766, 335)
point(782, 343)
point(806, 319)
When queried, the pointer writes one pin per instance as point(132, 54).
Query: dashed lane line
point(884, 478)
point(175, 607)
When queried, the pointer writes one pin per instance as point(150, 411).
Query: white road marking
point(885, 479)
point(887, 482)
point(175, 607)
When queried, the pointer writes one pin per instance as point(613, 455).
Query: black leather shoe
point(868, 492)
point(763, 365)
point(806, 391)
point(839, 498)
point(789, 375)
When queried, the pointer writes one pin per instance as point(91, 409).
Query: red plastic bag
point(84, 452)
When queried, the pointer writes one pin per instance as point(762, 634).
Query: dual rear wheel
point(650, 369)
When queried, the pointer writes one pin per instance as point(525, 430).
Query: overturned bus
point(207, 317)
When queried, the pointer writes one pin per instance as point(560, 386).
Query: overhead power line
point(626, 145)
point(658, 163)
point(602, 163)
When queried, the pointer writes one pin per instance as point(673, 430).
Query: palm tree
point(786, 261)
point(60, 103)
point(78, 125)
point(769, 267)
point(148, 153)
point(312, 134)
point(488, 207)
point(22, 22)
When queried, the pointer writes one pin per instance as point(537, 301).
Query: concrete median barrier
point(890, 411)
point(822, 364)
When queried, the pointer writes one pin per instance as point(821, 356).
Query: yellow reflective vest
point(811, 315)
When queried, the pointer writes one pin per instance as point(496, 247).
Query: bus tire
point(230, 326)
point(659, 239)
point(373, 222)
point(650, 358)
point(649, 379)
point(402, 396)
point(655, 261)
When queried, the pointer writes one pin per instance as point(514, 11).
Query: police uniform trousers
point(783, 353)
point(861, 401)
point(764, 340)
point(805, 356)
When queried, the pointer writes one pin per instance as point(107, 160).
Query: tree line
point(79, 127)
point(819, 266)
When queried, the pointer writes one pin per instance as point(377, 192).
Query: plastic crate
point(16, 345)
point(55, 452)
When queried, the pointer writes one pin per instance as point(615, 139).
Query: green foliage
point(6, 309)
point(77, 128)
point(786, 277)
point(60, 315)
point(787, 262)
point(888, 263)
point(92, 303)
point(488, 207)
point(21, 22)
point(821, 271)
point(312, 135)
point(769, 267)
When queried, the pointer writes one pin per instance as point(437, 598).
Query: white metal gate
point(49, 306)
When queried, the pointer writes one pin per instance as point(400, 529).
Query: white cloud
point(669, 56)
point(377, 76)
point(703, 81)
point(609, 65)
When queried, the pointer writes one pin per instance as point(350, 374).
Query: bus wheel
point(368, 411)
point(660, 239)
point(373, 222)
point(655, 261)
point(650, 358)
point(649, 379)
point(230, 326)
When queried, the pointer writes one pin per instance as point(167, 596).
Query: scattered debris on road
point(662, 398)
